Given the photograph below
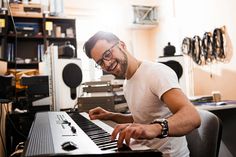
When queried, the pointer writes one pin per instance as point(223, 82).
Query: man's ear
point(123, 45)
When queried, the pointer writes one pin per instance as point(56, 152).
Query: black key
point(107, 148)
point(96, 132)
point(99, 135)
point(105, 142)
point(124, 148)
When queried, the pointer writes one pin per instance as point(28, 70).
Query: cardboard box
point(17, 8)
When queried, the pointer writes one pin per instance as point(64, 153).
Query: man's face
point(110, 57)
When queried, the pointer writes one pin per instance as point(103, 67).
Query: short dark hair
point(110, 37)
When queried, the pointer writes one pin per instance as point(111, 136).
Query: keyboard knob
point(73, 129)
point(66, 122)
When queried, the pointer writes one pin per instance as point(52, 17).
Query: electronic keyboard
point(74, 134)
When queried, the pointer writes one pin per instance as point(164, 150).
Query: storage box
point(17, 8)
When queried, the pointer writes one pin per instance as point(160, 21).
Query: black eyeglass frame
point(107, 55)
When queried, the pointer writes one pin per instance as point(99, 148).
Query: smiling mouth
point(112, 66)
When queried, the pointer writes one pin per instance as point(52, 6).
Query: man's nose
point(107, 63)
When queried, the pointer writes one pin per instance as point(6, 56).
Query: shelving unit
point(59, 31)
point(3, 22)
point(24, 39)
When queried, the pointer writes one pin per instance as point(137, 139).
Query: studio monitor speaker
point(68, 77)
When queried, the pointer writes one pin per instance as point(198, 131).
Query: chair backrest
point(205, 140)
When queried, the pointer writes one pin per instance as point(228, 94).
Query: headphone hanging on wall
point(218, 44)
point(186, 47)
point(207, 47)
point(197, 52)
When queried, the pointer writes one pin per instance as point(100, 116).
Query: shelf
point(26, 37)
point(31, 39)
point(59, 39)
point(40, 16)
point(59, 18)
point(27, 15)
point(1, 59)
point(12, 65)
point(142, 26)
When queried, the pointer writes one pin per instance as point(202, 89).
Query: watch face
point(158, 120)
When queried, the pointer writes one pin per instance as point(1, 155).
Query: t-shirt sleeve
point(164, 79)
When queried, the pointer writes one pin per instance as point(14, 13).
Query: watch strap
point(164, 125)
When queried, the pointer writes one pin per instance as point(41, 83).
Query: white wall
point(177, 19)
point(113, 16)
point(186, 18)
point(197, 17)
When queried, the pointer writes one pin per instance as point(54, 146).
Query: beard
point(123, 67)
point(123, 64)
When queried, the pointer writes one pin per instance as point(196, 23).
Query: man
point(160, 112)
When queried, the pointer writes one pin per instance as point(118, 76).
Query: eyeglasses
point(107, 55)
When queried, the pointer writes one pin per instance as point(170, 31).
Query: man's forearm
point(183, 121)
point(122, 118)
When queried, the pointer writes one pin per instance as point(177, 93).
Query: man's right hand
point(99, 113)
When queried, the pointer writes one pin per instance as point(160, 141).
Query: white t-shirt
point(143, 92)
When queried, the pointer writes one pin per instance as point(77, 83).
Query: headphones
point(207, 50)
point(207, 47)
point(197, 52)
point(186, 47)
point(218, 44)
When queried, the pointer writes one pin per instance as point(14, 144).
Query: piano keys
point(50, 132)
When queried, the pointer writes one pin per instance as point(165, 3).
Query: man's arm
point(102, 114)
point(122, 118)
point(185, 117)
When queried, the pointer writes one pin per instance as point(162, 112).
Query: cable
point(14, 29)
point(2, 140)
point(13, 125)
point(15, 53)
point(14, 60)
point(13, 21)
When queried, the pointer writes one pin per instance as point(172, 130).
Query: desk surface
point(211, 106)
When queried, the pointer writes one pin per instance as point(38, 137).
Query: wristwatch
point(164, 124)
